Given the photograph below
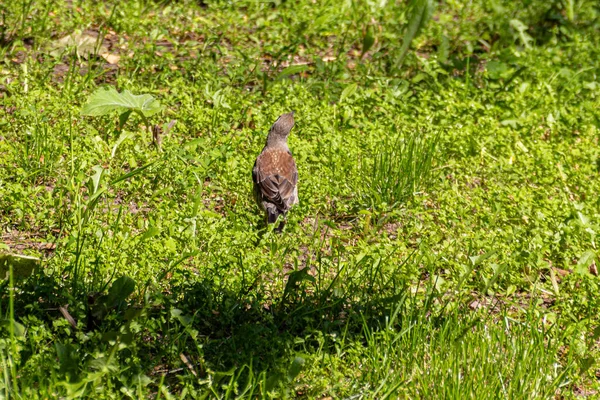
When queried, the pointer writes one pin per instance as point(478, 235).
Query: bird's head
point(282, 127)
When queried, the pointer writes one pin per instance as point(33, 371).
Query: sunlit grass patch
point(444, 246)
point(402, 166)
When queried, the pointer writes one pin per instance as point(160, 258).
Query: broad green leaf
point(209, 214)
point(348, 91)
point(368, 40)
point(496, 69)
point(151, 232)
point(584, 262)
point(476, 260)
point(119, 291)
point(585, 364)
point(23, 266)
point(292, 70)
point(297, 277)
point(181, 317)
point(419, 15)
point(124, 136)
point(521, 29)
point(498, 270)
point(104, 101)
point(444, 49)
point(132, 173)
point(68, 358)
point(96, 178)
point(522, 147)
point(18, 329)
point(295, 368)
point(123, 118)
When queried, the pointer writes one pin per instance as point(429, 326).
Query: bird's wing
point(275, 176)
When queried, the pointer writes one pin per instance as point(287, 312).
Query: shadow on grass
point(197, 336)
point(189, 330)
point(244, 328)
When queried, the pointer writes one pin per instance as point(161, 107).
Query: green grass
point(445, 241)
point(401, 167)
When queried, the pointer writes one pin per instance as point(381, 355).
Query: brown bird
point(275, 174)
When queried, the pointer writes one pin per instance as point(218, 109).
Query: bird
point(275, 174)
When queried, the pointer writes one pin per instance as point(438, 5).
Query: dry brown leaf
point(593, 269)
point(111, 58)
point(84, 43)
point(188, 363)
point(68, 317)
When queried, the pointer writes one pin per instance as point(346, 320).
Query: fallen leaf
point(593, 269)
point(84, 44)
point(474, 305)
point(561, 273)
point(187, 363)
point(63, 310)
point(111, 58)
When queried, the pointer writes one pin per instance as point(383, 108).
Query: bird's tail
point(272, 214)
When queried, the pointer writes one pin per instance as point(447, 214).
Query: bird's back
point(275, 178)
